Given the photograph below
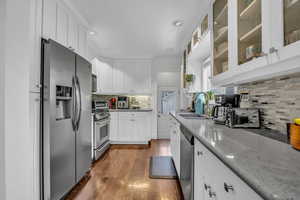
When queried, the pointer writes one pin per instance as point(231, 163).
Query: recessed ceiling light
point(92, 32)
point(178, 23)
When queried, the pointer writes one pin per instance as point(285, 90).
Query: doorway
point(168, 101)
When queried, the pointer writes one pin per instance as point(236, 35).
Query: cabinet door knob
point(273, 50)
point(200, 153)
point(228, 188)
point(207, 187)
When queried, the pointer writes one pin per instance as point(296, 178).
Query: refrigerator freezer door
point(58, 135)
point(83, 135)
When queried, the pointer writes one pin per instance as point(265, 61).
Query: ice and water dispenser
point(63, 102)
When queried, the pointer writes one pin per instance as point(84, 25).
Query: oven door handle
point(103, 123)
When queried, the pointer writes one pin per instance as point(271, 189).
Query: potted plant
point(189, 78)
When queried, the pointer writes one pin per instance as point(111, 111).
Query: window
point(206, 75)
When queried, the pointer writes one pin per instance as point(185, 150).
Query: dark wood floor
point(123, 174)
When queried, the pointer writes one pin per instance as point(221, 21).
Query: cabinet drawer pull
point(228, 188)
point(207, 187)
point(200, 153)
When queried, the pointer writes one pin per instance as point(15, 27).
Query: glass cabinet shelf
point(291, 21)
point(249, 30)
point(220, 19)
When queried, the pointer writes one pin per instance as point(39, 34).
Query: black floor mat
point(162, 167)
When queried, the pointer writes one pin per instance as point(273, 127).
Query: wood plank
point(123, 174)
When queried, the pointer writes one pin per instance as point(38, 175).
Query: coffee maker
point(223, 105)
point(123, 102)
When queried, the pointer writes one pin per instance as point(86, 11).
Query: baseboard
point(129, 142)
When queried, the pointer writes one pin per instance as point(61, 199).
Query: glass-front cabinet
point(285, 20)
point(249, 30)
point(260, 38)
point(220, 36)
point(291, 21)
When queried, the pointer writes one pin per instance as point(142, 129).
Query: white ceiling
point(140, 28)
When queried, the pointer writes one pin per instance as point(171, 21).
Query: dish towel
point(199, 104)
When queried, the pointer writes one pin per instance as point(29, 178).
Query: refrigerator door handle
point(78, 103)
point(74, 103)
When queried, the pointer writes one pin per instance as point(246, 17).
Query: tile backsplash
point(144, 102)
point(278, 99)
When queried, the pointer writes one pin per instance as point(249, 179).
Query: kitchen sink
point(192, 116)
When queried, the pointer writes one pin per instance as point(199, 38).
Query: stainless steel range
point(100, 139)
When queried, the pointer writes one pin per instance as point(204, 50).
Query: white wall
point(195, 67)
point(18, 138)
point(2, 35)
point(165, 73)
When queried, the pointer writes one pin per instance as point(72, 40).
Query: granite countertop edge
point(267, 195)
point(130, 110)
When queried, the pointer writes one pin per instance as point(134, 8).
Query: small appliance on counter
point(244, 118)
point(123, 102)
point(228, 100)
point(220, 114)
point(113, 103)
point(294, 134)
point(223, 104)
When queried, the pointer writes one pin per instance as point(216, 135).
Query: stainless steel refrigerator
point(66, 119)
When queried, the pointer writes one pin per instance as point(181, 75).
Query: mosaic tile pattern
point(144, 102)
point(278, 99)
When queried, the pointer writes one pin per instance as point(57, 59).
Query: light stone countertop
point(269, 167)
point(130, 110)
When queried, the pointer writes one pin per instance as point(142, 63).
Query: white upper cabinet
point(285, 29)
point(104, 73)
point(263, 40)
point(49, 19)
point(133, 77)
point(105, 77)
point(118, 78)
point(82, 40)
point(123, 77)
point(73, 34)
point(253, 32)
point(61, 25)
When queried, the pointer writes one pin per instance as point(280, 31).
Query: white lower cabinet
point(130, 127)
point(175, 144)
point(213, 180)
point(114, 126)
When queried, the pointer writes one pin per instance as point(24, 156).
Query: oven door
point(101, 133)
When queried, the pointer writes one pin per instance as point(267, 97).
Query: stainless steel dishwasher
point(187, 164)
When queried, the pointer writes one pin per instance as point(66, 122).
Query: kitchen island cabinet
point(215, 180)
point(238, 164)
